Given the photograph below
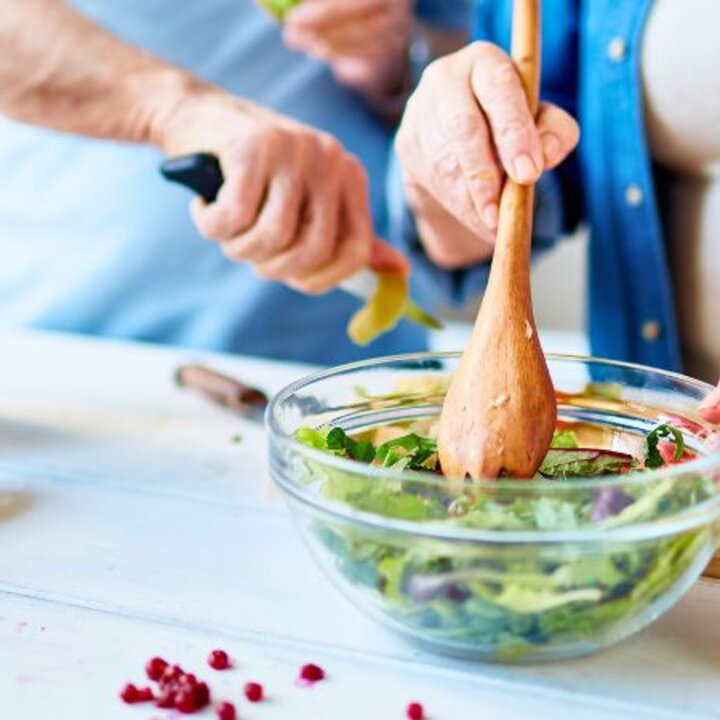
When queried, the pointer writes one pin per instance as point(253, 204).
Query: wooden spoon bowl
point(500, 411)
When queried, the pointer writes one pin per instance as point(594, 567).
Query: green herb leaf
point(565, 463)
point(653, 458)
point(363, 451)
point(413, 448)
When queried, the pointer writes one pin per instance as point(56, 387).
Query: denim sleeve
point(436, 286)
point(446, 14)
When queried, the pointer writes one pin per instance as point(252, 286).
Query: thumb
point(385, 257)
point(710, 407)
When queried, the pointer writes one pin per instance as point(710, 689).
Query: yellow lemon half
point(383, 310)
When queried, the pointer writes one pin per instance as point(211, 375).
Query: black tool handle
point(200, 172)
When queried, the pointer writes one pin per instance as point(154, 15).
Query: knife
point(201, 172)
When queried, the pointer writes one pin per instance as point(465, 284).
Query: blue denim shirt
point(591, 67)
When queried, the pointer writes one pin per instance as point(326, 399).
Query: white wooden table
point(132, 525)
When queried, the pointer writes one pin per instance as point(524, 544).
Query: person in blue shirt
point(468, 125)
point(94, 93)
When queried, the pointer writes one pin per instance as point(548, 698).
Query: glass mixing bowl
point(548, 569)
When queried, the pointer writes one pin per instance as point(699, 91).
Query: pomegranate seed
point(166, 699)
point(226, 711)
point(170, 675)
point(312, 672)
point(202, 694)
point(219, 660)
point(186, 702)
point(415, 711)
point(155, 668)
point(145, 695)
point(254, 692)
point(187, 680)
point(129, 694)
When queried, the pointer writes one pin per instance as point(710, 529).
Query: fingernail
point(551, 147)
point(525, 169)
point(490, 215)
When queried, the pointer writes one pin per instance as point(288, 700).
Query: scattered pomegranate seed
point(415, 711)
point(170, 675)
point(186, 702)
point(187, 680)
point(219, 660)
point(166, 698)
point(202, 694)
point(312, 672)
point(155, 668)
point(129, 694)
point(226, 711)
point(253, 692)
point(145, 695)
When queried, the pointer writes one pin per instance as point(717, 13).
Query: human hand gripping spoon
point(384, 291)
point(500, 410)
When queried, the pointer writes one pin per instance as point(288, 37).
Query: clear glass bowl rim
point(704, 464)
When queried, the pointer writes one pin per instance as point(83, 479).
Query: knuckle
point(329, 145)
point(310, 286)
point(484, 50)
point(234, 252)
point(359, 252)
point(461, 126)
point(437, 70)
point(267, 272)
point(503, 77)
point(512, 129)
point(277, 236)
point(319, 251)
point(446, 169)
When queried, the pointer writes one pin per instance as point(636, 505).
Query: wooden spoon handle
point(526, 48)
point(512, 255)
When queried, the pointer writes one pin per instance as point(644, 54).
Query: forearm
point(59, 70)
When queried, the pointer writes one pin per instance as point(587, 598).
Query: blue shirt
point(591, 67)
point(93, 241)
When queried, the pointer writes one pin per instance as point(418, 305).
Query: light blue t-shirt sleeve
point(446, 14)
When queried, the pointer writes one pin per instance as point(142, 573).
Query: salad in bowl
point(620, 520)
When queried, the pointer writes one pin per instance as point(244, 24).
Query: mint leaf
point(414, 449)
point(653, 458)
point(363, 451)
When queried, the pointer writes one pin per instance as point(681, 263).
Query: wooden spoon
point(500, 410)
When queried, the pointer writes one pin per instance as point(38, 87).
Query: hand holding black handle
point(200, 172)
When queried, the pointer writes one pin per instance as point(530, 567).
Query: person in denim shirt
point(468, 125)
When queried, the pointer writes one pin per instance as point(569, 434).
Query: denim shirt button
point(651, 330)
point(634, 195)
point(617, 49)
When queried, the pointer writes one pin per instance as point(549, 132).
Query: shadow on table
point(16, 433)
